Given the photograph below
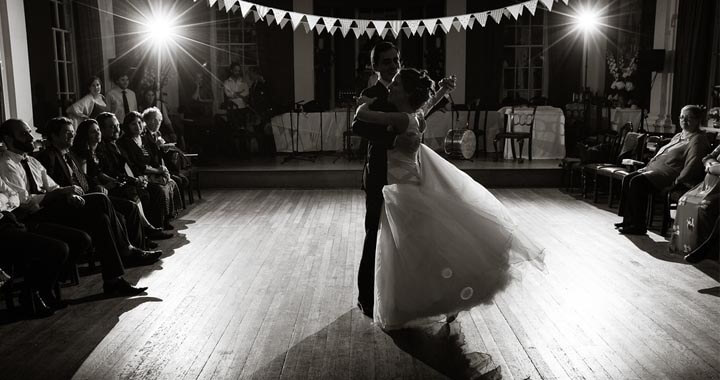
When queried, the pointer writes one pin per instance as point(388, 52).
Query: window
point(63, 50)
point(525, 57)
point(235, 40)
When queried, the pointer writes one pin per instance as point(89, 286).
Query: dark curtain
point(484, 57)
point(88, 43)
point(692, 53)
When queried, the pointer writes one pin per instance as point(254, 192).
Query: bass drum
point(460, 143)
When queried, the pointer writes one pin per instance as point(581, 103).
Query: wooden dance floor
point(261, 284)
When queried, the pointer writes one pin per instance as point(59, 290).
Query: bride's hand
point(449, 83)
point(362, 99)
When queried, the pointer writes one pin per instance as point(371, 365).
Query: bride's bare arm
point(397, 120)
point(447, 85)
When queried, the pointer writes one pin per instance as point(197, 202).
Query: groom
point(385, 59)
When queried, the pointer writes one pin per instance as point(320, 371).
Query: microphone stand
point(295, 154)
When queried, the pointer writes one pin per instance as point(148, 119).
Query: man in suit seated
point(679, 163)
point(43, 200)
point(63, 167)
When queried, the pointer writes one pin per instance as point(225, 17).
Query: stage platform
point(330, 171)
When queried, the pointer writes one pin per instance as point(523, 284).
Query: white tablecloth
point(620, 116)
point(548, 133)
point(334, 124)
point(439, 123)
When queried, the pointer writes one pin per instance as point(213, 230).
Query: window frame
point(518, 45)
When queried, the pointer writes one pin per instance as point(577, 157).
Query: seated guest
point(173, 132)
point(84, 149)
point(89, 105)
point(153, 119)
point(43, 200)
point(676, 164)
point(144, 159)
point(707, 225)
point(63, 167)
point(41, 251)
point(121, 100)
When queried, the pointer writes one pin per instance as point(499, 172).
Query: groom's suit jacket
point(379, 140)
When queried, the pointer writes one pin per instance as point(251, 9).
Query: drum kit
point(460, 143)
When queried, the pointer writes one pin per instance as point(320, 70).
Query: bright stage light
point(587, 20)
point(160, 31)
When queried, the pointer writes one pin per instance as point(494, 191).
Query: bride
point(445, 243)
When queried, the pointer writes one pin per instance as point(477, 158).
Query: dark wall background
point(42, 72)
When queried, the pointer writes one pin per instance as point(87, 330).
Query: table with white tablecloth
point(548, 133)
point(306, 128)
point(621, 116)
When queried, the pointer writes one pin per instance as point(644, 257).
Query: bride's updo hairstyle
point(418, 86)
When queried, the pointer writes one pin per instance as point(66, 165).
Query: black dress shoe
point(621, 224)
point(167, 226)
point(52, 301)
point(141, 257)
point(34, 306)
point(149, 244)
point(121, 287)
point(632, 230)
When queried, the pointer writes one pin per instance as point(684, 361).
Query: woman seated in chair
point(707, 225)
point(676, 164)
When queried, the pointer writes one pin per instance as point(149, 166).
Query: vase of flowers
point(622, 68)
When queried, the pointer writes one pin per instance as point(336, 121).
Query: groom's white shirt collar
point(384, 83)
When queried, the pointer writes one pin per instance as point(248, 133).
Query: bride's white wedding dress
point(445, 242)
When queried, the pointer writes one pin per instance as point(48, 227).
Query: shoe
point(138, 257)
point(621, 224)
point(34, 306)
point(696, 256)
point(149, 244)
point(159, 234)
point(367, 310)
point(121, 287)
point(52, 302)
point(632, 230)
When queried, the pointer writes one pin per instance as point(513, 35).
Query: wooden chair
point(516, 118)
point(479, 131)
point(632, 148)
point(614, 146)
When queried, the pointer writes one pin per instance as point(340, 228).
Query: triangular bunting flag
point(245, 7)
point(312, 21)
point(481, 18)
point(319, 28)
point(279, 15)
point(333, 30)
point(446, 23)
point(383, 32)
point(407, 32)
point(256, 16)
point(345, 26)
point(548, 4)
point(361, 26)
point(413, 25)
point(379, 25)
point(329, 22)
point(496, 15)
point(269, 18)
point(464, 20)
point(235, 8)
point(420, 30)
point(395, 26)
point(295, 19)
point(283, 22)
point(515, 10)
point(566, 2)
point(211, 2)
point(370, 32)
point(228, 4)
point(261, 10)
point(430, 24)
point(531, 6)
point(456, 25)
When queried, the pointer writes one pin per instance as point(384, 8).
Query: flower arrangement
point(622, 69)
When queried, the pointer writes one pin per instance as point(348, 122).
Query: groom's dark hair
point(380, 48)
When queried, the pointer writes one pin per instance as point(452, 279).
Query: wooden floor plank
point(262, 284)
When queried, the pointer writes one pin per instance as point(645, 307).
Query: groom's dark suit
point(375, 177)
